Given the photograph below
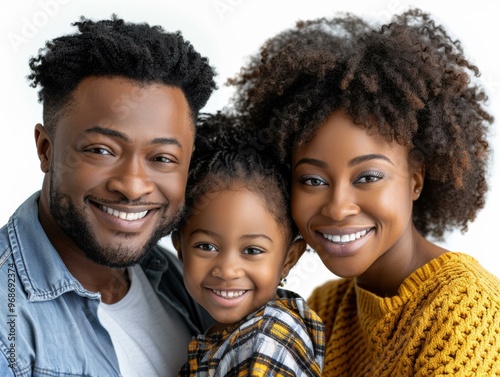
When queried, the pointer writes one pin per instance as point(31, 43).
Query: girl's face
point(234, 254)
point(352, 197)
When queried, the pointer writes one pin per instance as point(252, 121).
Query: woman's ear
point(295, 251)
point(43, 147)
point(417, 182)
point(176, 241)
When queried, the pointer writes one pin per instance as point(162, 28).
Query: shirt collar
point(41, 270)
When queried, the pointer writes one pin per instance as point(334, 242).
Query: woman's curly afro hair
point(407, 80)
point(113, 47)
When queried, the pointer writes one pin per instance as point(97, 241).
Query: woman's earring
point(282, 282)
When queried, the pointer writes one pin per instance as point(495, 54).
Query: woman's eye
point(312, 181)
point(253, 251)
point(370, 177)
point(206, 247)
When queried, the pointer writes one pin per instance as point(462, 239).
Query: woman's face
point(352, 197)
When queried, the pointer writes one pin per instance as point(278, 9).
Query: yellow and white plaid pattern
point(283, 338)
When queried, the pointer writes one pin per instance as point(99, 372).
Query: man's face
point(118, 165)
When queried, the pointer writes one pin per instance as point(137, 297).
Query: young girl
point(237, 242)
point(385, 131)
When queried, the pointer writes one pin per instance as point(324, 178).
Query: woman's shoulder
point(463, 270)
point(454, 283)
point(330, 294)
point(337, 286)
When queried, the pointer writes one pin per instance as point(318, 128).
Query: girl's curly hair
point(408, 80)
point(222, 159)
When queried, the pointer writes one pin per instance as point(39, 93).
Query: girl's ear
point(295, 251)
point(417, 181)
point(176, 241)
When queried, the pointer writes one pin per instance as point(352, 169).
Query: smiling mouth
point(128, 216)
point(345, 238)
point(228, 294)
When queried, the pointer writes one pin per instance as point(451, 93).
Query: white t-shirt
point(149, 339)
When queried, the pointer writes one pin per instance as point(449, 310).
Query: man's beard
point(73, 223)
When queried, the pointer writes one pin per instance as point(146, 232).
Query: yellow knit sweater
point(445, 321)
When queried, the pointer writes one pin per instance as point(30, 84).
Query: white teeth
point(129, 216)
point(228, 294)
point(345, 238)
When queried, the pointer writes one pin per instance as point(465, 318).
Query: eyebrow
point(311, 161)
point(368, 157)
point(204, 231)
point(213, 234)
point(107, 132)
point(254, 236)
point(122, 136)
point(355, 161)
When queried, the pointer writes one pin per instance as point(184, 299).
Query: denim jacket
point(49, 324)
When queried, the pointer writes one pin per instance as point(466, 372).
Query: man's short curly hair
point(113, 47)
point(407, 80)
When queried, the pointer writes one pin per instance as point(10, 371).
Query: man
point(85, 290)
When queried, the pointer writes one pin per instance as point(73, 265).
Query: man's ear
point(176, 241)
point(43, 147)
point(295, 251)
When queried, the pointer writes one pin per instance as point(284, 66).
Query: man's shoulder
point(161, 258)
point(159, 249)
point(5, 249)
point(21, 231)
point(7, 266)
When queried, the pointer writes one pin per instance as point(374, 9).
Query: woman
point(385, 132)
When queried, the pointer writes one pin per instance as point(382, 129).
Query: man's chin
point(118, 257)
point(114, 262)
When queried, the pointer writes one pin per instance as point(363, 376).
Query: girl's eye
point(206, 247)
point(312, 181)
point(369, 177)
point(253, 251)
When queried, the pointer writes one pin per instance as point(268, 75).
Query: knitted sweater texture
point(445, 321)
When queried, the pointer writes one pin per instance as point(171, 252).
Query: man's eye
point(102, 151)
point(162, 159)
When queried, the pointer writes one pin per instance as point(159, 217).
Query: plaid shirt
point(283, 338)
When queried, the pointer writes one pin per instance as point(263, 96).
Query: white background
point(227, 31)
